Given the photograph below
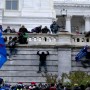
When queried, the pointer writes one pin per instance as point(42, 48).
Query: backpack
point(25, 35)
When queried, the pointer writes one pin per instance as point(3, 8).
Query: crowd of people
point(54, 28)
point(23, 35)
point(22, 39)
point(42, 86)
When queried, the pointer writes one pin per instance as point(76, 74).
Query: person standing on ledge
point(42, 59)
point(54, 27)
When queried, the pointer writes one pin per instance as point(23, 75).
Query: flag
point(81, 54)
point(3, 53)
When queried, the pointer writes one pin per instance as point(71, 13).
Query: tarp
point(81, 54)
point(3, 53)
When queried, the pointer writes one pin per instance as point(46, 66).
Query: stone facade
point(62, 46)
point(72, 14)
point(30, 13)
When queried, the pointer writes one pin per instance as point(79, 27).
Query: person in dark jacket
point(38, 29)
point(23, 29)
point(1, 81)
point(22, 35)
point(12, 46)
point(54, 27)
point(87, 34)
point(42, 61)
point(7, 30)
point(45, 30)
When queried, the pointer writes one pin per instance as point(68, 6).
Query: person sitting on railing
point(22, 35)
point(33, 30)
point(22, 38)
point(45, 30)
point(8, 30)
point(13, 30)
point(23, 29)
point(54, 27)
point(37, 29)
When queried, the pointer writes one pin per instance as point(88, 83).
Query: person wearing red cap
point(32, 86)
point(34, 83)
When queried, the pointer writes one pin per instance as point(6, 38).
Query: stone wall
point(62, 47)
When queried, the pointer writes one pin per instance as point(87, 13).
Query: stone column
point(87, 23)
point(68, 23)
point(1, 14)
point(1, 4)
point(64, 61)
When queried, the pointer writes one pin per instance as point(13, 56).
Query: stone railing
point(62, 38)
point(80, 40)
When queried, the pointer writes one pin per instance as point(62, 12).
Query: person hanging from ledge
point(42, 60)
point(54, 27)
point(37, 29)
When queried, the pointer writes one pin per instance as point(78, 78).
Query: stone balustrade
point(80, 40)
point(62, 38)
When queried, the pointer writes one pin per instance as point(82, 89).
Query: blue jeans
point(42, 64)
point(13, 51)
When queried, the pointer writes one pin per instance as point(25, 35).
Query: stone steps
point(29, 62)
point(24, 66)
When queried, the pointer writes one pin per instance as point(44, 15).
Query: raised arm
point(37, 52)
point(47, 53)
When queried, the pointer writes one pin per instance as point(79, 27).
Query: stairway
point(24, 66)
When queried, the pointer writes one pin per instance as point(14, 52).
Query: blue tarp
point(81, 54)
point(3, 53)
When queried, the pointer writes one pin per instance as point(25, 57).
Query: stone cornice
point(57, 4)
